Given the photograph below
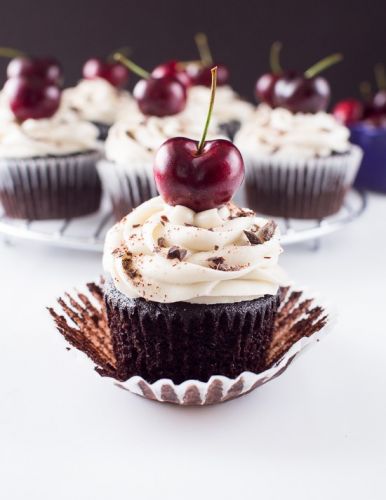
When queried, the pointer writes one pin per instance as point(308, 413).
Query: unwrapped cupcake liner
point(301, 320)
point(127, 186)
point(308, 189)
point(52, 187)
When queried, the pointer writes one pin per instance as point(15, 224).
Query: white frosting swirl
point(220, 264)
point(63, 133)
point(135, 141)
point(228, 105)
point(98, 101)
point(280, 133)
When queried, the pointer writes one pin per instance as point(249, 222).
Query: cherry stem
point(201, 144)
point(10, 52)
point(124, 51)
point(322, 65)
point(274, 58)
point(365, 91)
point(131, 65)
point(203, 49)
point(380, 76)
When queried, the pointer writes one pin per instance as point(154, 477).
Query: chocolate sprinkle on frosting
point(176, 253)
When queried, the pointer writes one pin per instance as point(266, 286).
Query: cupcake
point(48, 166)
point(188, 294)
point(127, 170)
point(98, 101)
point(298, 165)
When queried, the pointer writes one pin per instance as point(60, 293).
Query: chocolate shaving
point(220, 264)
point(164, 218)
point(216, 261)
point(264, 234)
point(176, 253)
point(136, 225)
point(161, 242)
point(216, 247)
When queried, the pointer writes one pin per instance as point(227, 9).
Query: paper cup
point(308, 189)
point(127, 185)
point(52, 187)
point(302, 319)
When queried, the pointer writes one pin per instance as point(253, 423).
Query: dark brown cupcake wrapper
point(52, 187)
point(127, 186)
point(300, 320)
point(312, 189)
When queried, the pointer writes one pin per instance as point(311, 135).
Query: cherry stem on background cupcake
point(274, 58)
point(322, 65)
point(365, 91)
point(201, 144)
point(125, 51)
point(203, 48)
point(10, 53)
point(131, 65)
point(380, 76)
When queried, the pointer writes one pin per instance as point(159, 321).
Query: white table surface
point(316, 432)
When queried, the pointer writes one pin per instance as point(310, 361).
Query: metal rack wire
point(88, 233)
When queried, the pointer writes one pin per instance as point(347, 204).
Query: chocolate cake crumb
point(176, 253)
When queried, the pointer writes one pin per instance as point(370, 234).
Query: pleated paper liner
point(301, 319)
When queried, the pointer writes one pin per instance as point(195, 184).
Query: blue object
point(372, 173)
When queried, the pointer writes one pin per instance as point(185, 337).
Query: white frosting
point(280, 133)
point(63, 133)
point(134, 142)
point(138, 262)
point(228, 104)
point(98, 101)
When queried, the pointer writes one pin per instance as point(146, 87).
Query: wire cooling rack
point(88, 233)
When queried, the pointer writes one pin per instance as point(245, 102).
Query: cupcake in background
point(100, 97)
point(366, 120)
point(47, 154)
point(299, 161)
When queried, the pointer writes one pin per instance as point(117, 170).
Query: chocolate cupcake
point(297, 165)
point(127, 169)
point(48, 167)
point(98, 101)
point(191, 295)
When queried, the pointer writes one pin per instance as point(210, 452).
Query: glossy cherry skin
point(198, 181)
point(160, 96)
point(297, 93)
point(174, 69)
point(348, 111)
point(113, 72)
point(264, 88)
point(32, 98)
point(201, 75)
point(47, 69)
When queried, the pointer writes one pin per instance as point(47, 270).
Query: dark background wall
point(240, 33)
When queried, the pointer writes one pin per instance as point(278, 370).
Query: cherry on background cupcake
point(155, 96)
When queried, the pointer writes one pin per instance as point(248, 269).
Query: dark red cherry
point(32, 98)
point(113, 72)
point(265, 84)
point(264, 88)
point(297, 93)
point(47, 69)
point(348, 111)
point(160, 96)
point(199, 181)
point(174, 69)
point(201, 75)
point(199, 175)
